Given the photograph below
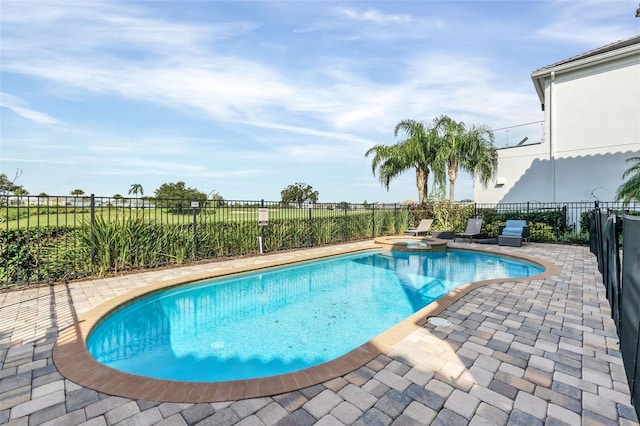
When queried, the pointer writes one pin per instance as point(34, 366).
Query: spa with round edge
point(411, 244)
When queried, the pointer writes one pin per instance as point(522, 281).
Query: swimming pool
point(285, 319)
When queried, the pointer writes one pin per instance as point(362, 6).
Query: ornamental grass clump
point(129, 243)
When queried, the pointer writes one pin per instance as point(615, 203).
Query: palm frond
point(630, 190)
point(633, 169)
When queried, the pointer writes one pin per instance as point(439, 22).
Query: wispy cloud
point(376, 16)
point(371, 24)
point(169, 169)
point(345, 137)
point(21, 107)
point(590, 23)
point(54, 161)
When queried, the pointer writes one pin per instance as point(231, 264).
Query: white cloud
point(85, 27)
point(375, 16)
point(310, 153)
point(589, 23)
point(21, 107)
point(174, 170)
point(340, 136)
point(370, 24)
point(54, 161)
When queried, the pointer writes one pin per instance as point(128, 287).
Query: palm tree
point(417, 152)
point(136, 189)
point(76, 193)
point(630, 190)
point(20, 192)
point(470, 150)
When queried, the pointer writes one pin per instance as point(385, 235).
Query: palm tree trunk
point(453, 175)
point(422, 182)
point(452, 188)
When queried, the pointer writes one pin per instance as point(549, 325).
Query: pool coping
point(73, 361)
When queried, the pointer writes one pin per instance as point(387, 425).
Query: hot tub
point(411, 244)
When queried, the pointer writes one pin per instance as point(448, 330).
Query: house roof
point(613, 50)
point(604, 49)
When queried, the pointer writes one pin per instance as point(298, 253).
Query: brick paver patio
point(517, 352)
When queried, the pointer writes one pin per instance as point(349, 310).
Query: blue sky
point(245, 98)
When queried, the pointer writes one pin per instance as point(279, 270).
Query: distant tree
point(8, 186)
point(342, 205)
point(299, 193)
point(20, 192)
point(218, 200)
point(43, 194)
point(116, 196)
point(76, 193)
point(630, 190)
point(179, 196)
point(136, 189)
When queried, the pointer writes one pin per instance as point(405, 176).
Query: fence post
point(373, 220)
point(345, 227)
point(262, 230)
point(310, 228)
point(395, 217)
point(475, 210)
point(93, 229)
point(195, 233)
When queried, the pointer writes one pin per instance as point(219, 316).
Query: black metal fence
point(61, 238)
point(46, 239)
point(610, 235)
point(568, 219)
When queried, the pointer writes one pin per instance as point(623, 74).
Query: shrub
point(446, 216)
point(570, 238)
point(492, 230)
point(541, 232)
point(37, 254)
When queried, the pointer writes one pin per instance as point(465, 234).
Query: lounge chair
point(513, 233)
point(473, 230)
point(424, 227)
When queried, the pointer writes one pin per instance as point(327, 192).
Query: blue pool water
point(285, 319)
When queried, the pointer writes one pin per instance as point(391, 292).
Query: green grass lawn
point(23, 218)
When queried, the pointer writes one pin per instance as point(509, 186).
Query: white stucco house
point(591, 106)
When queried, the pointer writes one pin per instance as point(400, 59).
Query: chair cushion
point(514, 228)
point(512, 223)
point(512, 232)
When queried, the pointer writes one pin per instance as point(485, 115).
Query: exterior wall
point(526, 174)
point(592, 125)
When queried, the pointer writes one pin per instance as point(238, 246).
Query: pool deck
point(517, 352)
